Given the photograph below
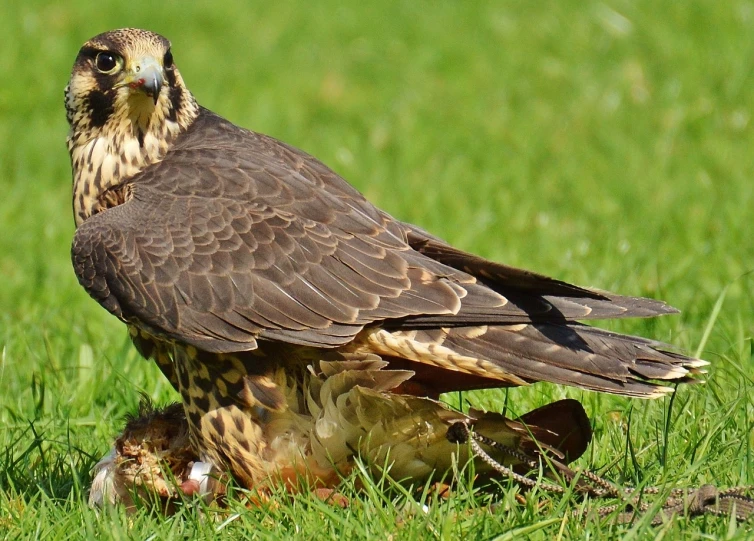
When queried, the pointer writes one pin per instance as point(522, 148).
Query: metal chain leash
point(706, 499)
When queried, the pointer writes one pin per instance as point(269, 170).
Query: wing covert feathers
point(234, 239)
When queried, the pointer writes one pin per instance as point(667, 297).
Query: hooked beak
point(146, 75)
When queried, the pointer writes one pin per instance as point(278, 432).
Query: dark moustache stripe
point(101, 107)
point(176, 96)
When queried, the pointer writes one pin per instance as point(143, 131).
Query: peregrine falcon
point(251, 273)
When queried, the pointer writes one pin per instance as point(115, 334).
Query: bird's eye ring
point(107, 62)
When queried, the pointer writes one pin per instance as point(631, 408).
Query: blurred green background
point(604, 143)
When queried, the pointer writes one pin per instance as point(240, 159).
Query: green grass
point(607, 144)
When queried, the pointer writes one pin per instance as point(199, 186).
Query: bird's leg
point(223, 429)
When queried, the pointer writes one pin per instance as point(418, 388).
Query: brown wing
point(221, 245)
point(235, 237)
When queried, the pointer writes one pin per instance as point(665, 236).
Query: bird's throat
point(104, 158)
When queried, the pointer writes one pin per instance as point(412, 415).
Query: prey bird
point(301, 324)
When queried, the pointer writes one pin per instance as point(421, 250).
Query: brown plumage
point(235, 258)
point(348, 408)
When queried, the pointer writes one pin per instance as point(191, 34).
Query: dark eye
point(106, 62)
point(168, 60)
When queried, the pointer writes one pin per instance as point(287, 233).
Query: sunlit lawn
point(608, 144)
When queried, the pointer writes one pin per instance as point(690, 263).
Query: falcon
point(300, 323)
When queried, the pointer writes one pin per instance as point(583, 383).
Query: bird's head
point(125, 75)
point(125, 103)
